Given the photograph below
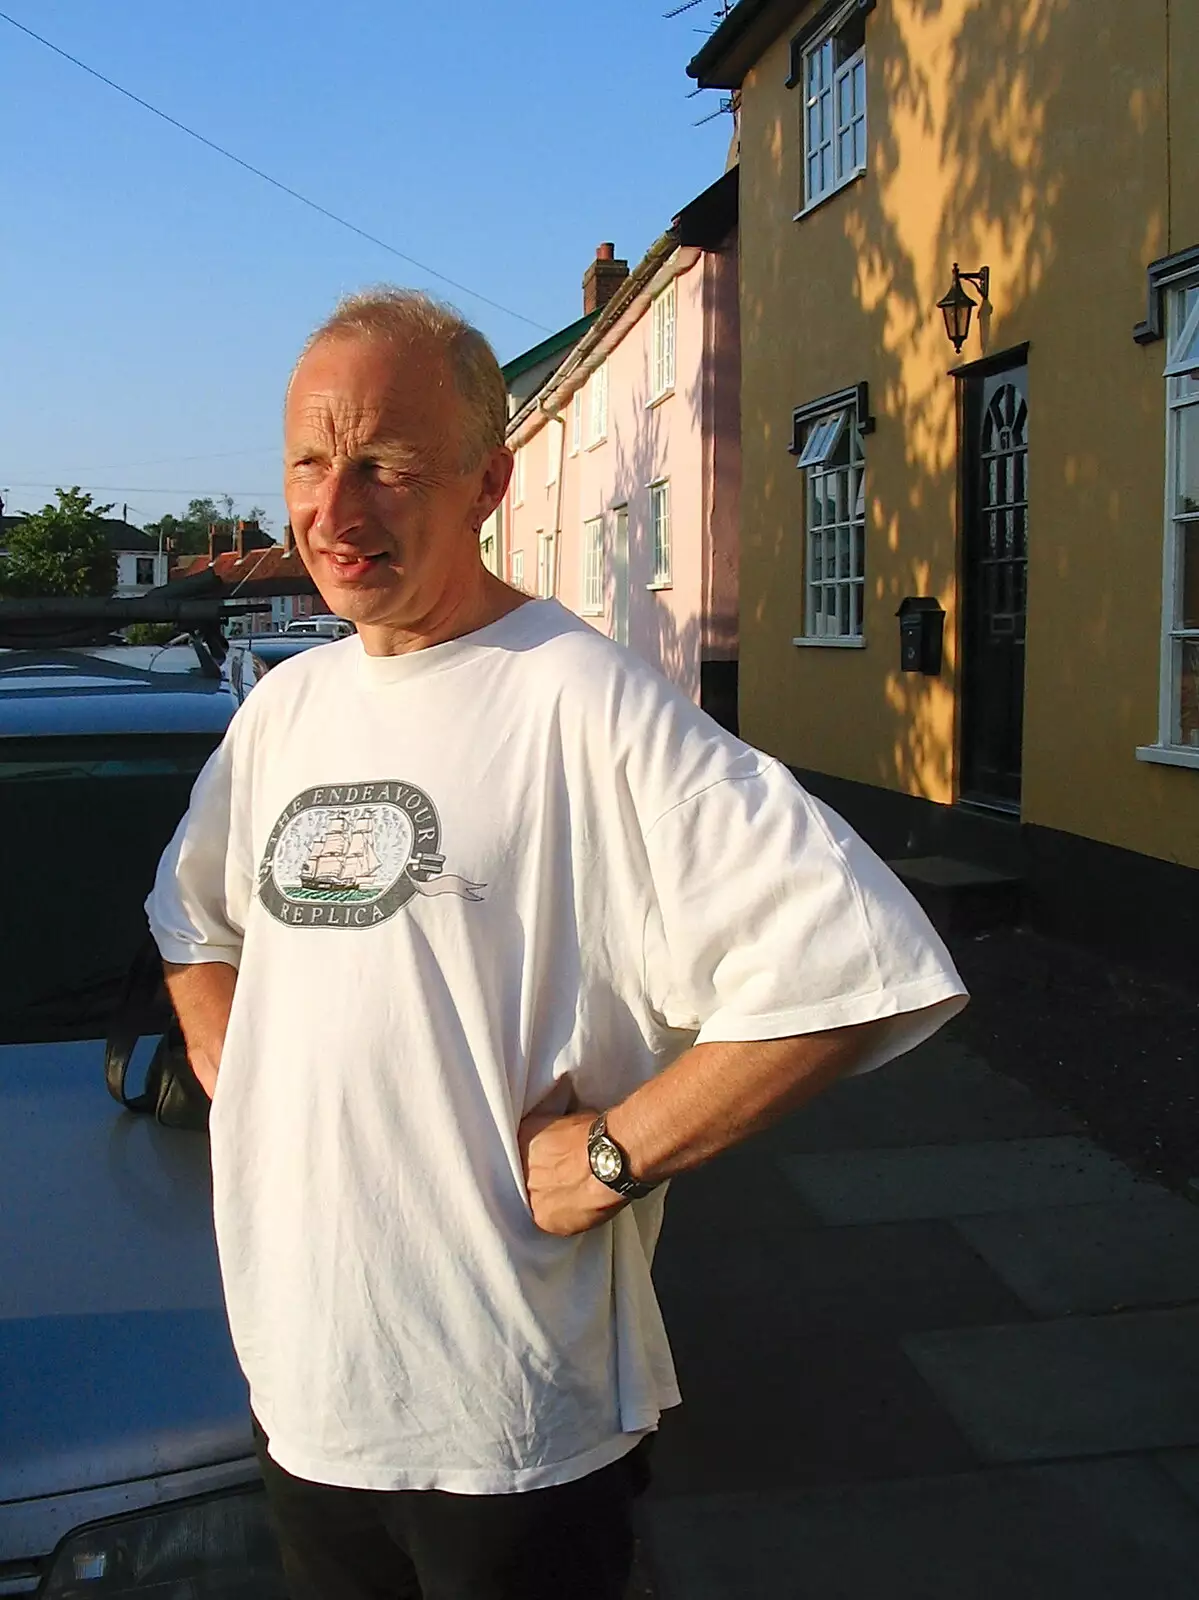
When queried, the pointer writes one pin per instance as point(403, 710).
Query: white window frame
point(1182, 399)
point(660, 534)
point(576, 421)
point(518, 569)
point(822, 439)
point(840, 539)
point(597, 419)
point(491, 542)
point(665, 323)
point(593, 567)
point(824, 87)
point(545, 565)
point(518, 476)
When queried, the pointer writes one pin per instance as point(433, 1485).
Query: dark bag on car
point(173, 1094)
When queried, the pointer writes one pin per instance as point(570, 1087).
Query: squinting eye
point(389, 477)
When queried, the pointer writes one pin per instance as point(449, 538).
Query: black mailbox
point(921, 629)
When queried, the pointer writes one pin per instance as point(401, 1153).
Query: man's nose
point(340, 507)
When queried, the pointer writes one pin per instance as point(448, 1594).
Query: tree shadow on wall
point(997, 121)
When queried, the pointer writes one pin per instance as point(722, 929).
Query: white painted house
point(140, 566)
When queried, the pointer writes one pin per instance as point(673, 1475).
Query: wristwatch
point(609, 1162)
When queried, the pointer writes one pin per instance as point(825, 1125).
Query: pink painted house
point(624, 497)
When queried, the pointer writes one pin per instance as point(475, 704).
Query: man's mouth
point(350, 566)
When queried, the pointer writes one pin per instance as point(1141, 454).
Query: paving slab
point(1093, 1258)
point(947, 872)
point(738, 1193)
point(1183, 1468)
point(1079, 1387)
point(1106, 1530)
point(762, 1410)
point(940, 1093)
point(857, 1186)
point(891, 1278)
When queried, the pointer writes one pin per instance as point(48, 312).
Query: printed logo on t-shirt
point(349, 855)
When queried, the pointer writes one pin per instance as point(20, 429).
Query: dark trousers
point(573, 1541)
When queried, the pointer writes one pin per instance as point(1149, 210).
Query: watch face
point(606, 1162)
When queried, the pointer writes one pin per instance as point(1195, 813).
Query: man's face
point(384, 517)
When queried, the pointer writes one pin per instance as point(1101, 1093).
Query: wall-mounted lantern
point(956, 306)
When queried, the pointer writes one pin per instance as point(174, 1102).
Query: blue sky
point(152, 295)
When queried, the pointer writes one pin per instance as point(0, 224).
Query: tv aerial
point(727, 103)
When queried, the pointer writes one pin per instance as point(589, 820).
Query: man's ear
point(496, 473)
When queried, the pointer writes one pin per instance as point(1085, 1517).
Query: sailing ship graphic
point(342, 856)
point(350, 855)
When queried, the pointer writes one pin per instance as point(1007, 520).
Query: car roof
point(275, 647)
point(110, 689)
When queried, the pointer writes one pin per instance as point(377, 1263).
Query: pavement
point(933, 1343)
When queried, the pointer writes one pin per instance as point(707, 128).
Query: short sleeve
point(771, 918)
point(198, 906)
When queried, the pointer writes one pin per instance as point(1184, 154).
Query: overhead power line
point(171, 461)
point(141, 488)
point(275, 183)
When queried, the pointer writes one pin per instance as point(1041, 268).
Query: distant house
point(624, 496)
point(241, 553)
point(140, 565)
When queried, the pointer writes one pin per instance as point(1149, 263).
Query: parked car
point(126, 1465)
point(325, 627)
point(252, 656)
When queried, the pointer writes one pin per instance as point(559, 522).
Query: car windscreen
point(83, 821)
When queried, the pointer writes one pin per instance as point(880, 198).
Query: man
point(478, 931)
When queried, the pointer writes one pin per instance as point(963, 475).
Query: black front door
point(995, 526)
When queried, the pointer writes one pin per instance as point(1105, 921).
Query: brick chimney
point(289, 539)
point(220, 539)
point(249, 536)
point(602, 278)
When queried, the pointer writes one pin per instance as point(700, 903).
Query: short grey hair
point(402, 315)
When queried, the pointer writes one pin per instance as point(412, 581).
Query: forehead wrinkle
point(384, 418)
point(337, 420)
point(356, 434)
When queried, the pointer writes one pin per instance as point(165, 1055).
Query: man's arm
point(712, 1097)
point(202, 996)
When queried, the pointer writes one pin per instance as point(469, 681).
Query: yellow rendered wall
point(1029, 135)
point(1183, 28)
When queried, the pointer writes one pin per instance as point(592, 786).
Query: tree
point(189, 533)
point(60, 550)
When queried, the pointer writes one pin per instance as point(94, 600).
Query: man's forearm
point(203, 997)
point(712, 1097)
point(718, 1094)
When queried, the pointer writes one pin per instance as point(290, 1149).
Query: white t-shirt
point(515, 870)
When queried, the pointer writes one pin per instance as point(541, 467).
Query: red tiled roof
point(273, 562)
point(256, 566)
